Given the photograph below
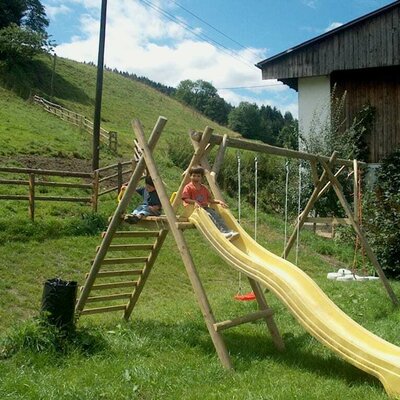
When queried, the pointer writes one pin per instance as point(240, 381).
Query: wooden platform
point(161, 222)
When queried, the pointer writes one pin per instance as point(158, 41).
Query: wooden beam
point(183, 249)
point(328, 220)
point(219, 326)
point(108, 297)
point(371, 255)
point(355, 190)
point(220, 157)
point(266, 148)
point(98, 310)
point(329, 184)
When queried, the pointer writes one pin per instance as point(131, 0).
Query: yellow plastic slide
point(306, 301)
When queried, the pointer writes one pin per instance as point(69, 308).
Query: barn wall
point(314, 103)
point(370, 43)
point(379, 88)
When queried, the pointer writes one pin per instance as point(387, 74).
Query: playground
point(278, 279)
point(153, 328)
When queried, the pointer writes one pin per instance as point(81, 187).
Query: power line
point(250, 87)
point(204, 37)
point(213, 27)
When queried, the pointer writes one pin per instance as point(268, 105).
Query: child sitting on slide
point(198, 194)
point(151, 203)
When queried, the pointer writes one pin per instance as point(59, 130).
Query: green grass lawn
point(165, 350)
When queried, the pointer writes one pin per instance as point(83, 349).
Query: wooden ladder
point(113, 281)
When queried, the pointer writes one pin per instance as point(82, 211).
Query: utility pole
point(99, 87)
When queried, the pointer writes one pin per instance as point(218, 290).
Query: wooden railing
point(109, 138)
point(93, 184)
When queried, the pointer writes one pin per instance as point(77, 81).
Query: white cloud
point(310, 3)
point(333, 25)
point(139, 40)
point(53, 11)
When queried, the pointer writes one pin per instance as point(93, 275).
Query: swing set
point(329, 325)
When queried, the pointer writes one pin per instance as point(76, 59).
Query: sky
point(218, 41)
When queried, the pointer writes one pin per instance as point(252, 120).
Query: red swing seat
point(245, 297)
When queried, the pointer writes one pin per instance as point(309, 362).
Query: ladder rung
point(114, 285)
point(102, 309)
point(109, 297)
point(130, 260)
point(127, 272)
point(121, 247)
point(125, 234)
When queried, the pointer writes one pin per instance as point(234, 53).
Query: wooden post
point(220, 156)
point(355, 190)
point(302, 217)
point(371, 255)
point(119, 177)
point(95, 190)
point(32, 197)
point(194, 161)
point(183, 248)
point(115, 221)
point(263, 305)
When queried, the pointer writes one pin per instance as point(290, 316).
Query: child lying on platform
point(151, 203)
point(198, 194)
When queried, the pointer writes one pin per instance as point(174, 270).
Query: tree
point(203, 96)
point(20, 44)
point(246, 120)
point(11, 12)
point(35, 16)
point(24, 13)
point(23, 26)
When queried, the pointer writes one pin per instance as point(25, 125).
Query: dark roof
point(329, 33)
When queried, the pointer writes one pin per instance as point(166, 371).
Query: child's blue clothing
point(149, 199)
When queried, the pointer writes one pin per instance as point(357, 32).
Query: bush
point(382, 213)
point(19, 44)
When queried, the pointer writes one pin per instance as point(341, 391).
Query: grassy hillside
point(74, 88)
point(165, 351)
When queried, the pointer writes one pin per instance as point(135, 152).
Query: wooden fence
point(93, 184)
point(109, 138)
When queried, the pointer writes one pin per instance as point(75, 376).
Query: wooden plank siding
point(369, 43)
point(380, 88)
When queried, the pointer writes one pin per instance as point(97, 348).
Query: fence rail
point(98, 184)
point(109, 138)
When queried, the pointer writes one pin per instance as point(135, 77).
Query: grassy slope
point(165, 351)
point(74, 88)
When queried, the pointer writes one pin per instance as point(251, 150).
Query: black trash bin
point(58, 302)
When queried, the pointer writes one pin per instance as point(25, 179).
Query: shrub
point(382, 213)
point(18, 44)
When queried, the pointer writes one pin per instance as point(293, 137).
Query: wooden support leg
point(263, 305)
point(307, 209)
point(371, 255)
point(183, 250)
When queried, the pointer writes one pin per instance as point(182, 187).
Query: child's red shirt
point(201, 195)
